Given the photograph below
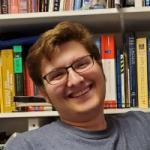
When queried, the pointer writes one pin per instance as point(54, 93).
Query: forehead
point(64, 55)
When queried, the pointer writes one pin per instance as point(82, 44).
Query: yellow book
point(142, 78)
point(8, 80)
point(1, 88)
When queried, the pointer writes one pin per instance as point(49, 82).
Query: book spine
point(108, 62)
point(141, 48)
point(23, 7)
point(8, 80)
point(148, 64)
point(56, 5)
point(122, 79)
point(118, 79)
point(46, 4)
point(18, 70)
point(77, 5)
point(132, 69)
point(1, 87)
point(28, 83)
point(4, 6)
point(14, 6)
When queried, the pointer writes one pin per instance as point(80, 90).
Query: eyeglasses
point(59, 75)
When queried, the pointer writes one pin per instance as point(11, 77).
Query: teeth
point(80, 92)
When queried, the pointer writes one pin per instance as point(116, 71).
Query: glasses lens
point(83, 64)
point(56, 76)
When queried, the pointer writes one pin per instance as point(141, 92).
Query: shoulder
point(132, 120)
point(31, 139)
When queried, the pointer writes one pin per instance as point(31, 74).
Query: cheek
point(55, 92)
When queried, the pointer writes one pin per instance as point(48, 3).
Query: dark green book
point(18, 70)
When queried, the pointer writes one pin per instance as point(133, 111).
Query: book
point(18, 69)
point(4, 6)
point(77, 5)
point(118, 78)
point(8, 80)
point(18, 41)
point(56, 5)
point(138, 3)
point(28, 83)
point(23, 6)
point(148, 68)
point(122, 79)
point(1, 87)
point(126, 80)
point(29, 99)
point(108, 54)
point(13, 6)
point(131, 52)
point(142, 79)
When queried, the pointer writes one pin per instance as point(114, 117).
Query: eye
point(82, 64)
point(56, 75)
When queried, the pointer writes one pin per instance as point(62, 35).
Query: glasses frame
point(70, 66)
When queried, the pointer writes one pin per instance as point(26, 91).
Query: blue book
point(77, 4)
point(148, 69)
point(147, 2)
point(18, 41)
point(118, 79)
point(131, 52)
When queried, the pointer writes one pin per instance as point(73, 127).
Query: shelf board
point(29, 114)
point(97, 20)
point(55, 113)
point(136, 19)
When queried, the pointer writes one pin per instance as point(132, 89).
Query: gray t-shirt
point(129, 131)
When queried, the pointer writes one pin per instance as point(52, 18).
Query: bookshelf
point(55, 113)
point(99, 21)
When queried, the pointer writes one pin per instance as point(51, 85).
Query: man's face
point(80, 93)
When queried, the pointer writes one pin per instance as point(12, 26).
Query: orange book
point(108, 62)
point(28, 83)
point(8, 80)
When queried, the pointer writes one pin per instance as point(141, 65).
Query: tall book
point(118, 78)
point(13, 6)
point(126, 79)
point(4, 6)
point(8, 80)
point(28, 83)
point(142, 78)
point(1, 87)
point(122, 79)
point(131, 52)
point(18, 70)
point(108, 62)
point(148, 67)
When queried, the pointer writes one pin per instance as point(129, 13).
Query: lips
point(80, 92)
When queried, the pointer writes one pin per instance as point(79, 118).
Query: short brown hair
point(46, 45)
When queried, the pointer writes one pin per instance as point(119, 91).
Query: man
point(65, 64)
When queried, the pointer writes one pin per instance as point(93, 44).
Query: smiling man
point(65, 64)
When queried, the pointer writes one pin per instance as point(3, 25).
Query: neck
point(96, 123)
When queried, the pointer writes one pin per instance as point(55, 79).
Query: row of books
point(23, 6)
point(15, 80)
point(29, 6)
point(127, 71)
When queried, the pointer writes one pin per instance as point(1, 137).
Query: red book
point(108, 62)
point(28, 83)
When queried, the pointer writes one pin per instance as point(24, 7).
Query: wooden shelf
point(55, 113)
point(98, 20)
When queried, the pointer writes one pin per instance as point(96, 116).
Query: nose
point(74, 78)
